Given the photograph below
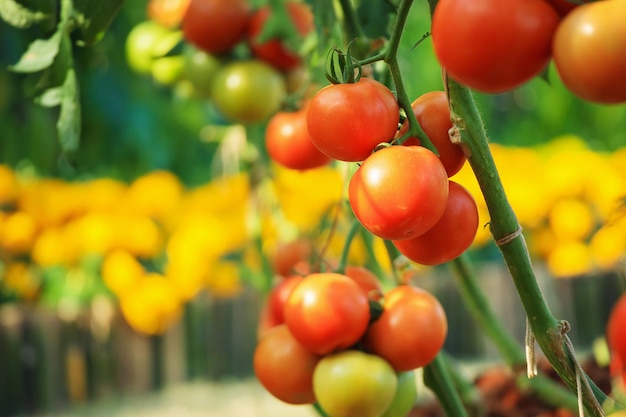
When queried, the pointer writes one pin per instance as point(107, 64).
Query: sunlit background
point(139, 263)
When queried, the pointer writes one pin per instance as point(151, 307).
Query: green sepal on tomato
point(347, 121)
point(399, 192)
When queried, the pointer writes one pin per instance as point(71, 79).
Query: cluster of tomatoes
point(336, 340)
point(401, 192)
point(238, 57)
point(494, 46)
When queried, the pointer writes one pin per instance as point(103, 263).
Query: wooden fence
point(47, 363)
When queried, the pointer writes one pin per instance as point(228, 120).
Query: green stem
point(343, 261)
point(513, 354)
point(437, 377)
point(506, 230)
point(391, 58)
point(352, 24)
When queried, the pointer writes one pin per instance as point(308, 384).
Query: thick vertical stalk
point(549, 332)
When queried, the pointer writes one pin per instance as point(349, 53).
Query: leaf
point(40, 54)
point(68, 125)
point(94, 17)
point(375, 18)
point(19, 16)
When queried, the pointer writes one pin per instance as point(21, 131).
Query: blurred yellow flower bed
point(153, 244)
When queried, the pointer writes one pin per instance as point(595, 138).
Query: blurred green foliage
point(131, 125)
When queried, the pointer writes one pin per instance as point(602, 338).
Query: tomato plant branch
point(391, 59)
point(505, 229)
point(438, 378)
point(478, 305)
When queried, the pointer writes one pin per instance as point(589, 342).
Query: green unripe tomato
point(352, 383)
point(168, 69)
point(200, 70)
point(248, 91)
point(142, 42)
point(406, 395)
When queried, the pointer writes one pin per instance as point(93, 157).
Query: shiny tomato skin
point(479, 42)
point(589, 51)
point(406, 396)
point(347, 121)
point(367, 280)
point(327, 312)
point(279, 294)
point(216, 26)
point(284, 367)
point(399, 192)
point(288, 255)
point(168, 13)
point(411, 330)
point(288, 142)
point(248, 91)
point(450, 236)
point(352, 383)
point(274, 51)
point(433, 114)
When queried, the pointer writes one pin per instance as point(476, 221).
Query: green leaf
point(19, 16)
point(40, 54)
point(68, 125)
point(375, 18)
point(94, 17)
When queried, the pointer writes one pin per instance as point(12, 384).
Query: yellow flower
point(155, 194)
point(21, 279)
point(608, 246)
point(121, 272)
point(18, 233)
point(571, 218)
point(55, 246)
point(569, 258)
point(306, 196)
point(223, 279)
point(153, 306)
point(9, 186)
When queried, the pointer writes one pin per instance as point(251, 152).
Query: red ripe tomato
point(616, 338)
point(266, 322)
point(411, 330)
point(347, 121)
point(450, 236)
point(589, 51)
point(168, 13)
point(216, 26)
point(279, 294)
point(367, 280)
point(274, 51)
point(284, 367)
point(327, 312)
point(399, 192)
point(492, 45)
point(288, 142)
point(433, 114)
point(289, 254)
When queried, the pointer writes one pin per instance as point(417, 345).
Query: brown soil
point(501, 397)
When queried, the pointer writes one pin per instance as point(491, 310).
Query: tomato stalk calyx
point(376, 309)
point(342, 68)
